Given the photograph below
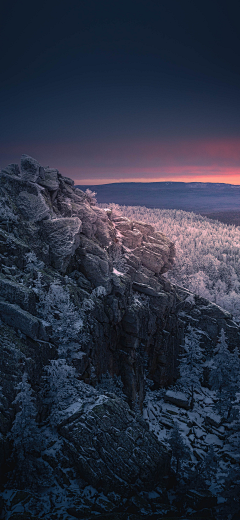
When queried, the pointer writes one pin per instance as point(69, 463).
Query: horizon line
point(84, 183)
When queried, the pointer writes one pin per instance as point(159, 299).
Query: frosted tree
point(61, 387)
point(224, 376)
point(57, 309)
point(33, 264)
point(209, 465)
point(234, 379)
point(25, 435)
point(25, 432)
point(180, 451)
point(191, 367)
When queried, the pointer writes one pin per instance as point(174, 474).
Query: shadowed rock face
point(133, 325)
point(108, 442)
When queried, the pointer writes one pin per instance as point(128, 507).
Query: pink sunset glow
point(152, 161)
point(145, 160)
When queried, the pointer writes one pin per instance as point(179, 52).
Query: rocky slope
point(83, 286)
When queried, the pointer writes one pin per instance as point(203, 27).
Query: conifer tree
point(180, 452)
point(191, 369)
point(56, 308)
point(25, 432)
point(224, 377)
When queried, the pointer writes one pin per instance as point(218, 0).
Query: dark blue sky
point(115, 90)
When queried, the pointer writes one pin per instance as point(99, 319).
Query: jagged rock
point(132, 239)
point(17, 293)
point(143, 288)
point(153, 256)
point(113, 448)
point(33, 206)
point(67, 180)
point(50, 179)
point(94, 222)
point(62, 235)
point(95, 269)
point(22, 320)
point(26, 196)
point(11, 169)
point(213, 419)
point(29, 168)
point(148, 248)
point(93, 262)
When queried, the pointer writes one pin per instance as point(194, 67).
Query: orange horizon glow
point(225, 176)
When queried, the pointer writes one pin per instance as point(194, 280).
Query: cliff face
point(130, 322)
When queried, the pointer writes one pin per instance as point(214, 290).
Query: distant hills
point(199, 197)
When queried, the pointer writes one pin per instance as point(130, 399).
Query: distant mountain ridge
point(188, 196)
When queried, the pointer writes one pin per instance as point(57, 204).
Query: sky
point(114, 91)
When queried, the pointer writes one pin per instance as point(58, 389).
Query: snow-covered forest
point(207, 253)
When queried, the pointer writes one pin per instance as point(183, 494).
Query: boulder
point(178, 398)
point(87, 217)
point(111, 447)
point(50, 180)
point(62, 235)
point(213, 419)
point(29, 168)
point(95, 269)
point(33, 206)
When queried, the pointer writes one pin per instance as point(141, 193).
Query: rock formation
point(132, 325)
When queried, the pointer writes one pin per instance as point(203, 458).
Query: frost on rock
point(111, 376)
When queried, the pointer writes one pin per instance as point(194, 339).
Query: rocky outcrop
point(143, 246)
point(125, 319)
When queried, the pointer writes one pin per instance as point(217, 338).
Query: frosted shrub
point(91, 197)
point(57, 309)
point(62, 389)
point(33, 264)
point(99, 292)
point(60, 386)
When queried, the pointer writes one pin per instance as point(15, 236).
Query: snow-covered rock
point(178, 398)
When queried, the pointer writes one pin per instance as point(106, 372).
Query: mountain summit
point(88, 322)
